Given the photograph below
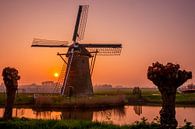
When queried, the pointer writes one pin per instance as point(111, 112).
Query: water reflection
point(119, 116)
point(138, 110)
point(41, 115)
point(45, 114)
point(19, 112)
point(77, 114)
point(109, 116)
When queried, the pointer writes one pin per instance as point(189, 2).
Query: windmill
point(81, 57)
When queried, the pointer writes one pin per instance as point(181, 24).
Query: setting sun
point(56, 74)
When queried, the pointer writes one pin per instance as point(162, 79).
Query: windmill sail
point(57, 88)
point(48, 43)
point(104, 49)
point(80, 23)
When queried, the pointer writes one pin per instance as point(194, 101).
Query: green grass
point(24, 99)
point(151, 96)
point(113, 91)
point(24, 123)
point(69, 124)
point(185, 99)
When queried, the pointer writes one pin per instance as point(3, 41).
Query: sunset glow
point(156, 30)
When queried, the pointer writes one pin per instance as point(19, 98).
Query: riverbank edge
point(94, 107)
point(145, 102)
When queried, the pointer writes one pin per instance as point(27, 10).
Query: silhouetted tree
point(10, 78)
point(168, 78)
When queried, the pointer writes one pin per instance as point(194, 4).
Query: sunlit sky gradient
point(150, 30)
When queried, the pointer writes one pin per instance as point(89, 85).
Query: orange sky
point(152, 30)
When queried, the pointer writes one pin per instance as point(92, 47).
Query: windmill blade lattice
point(57, 88)
point(48, 43)
point(80, 23)
point(83, 22)
point(104, 49)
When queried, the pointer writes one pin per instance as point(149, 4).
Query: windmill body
point(81, 58)
point(78, 79)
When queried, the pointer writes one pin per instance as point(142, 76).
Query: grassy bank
point(57, 101)
point(101, 98)
point(81, 102)
point(149, 97)
point(76, 124)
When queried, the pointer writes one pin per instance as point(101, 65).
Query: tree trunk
point(167, 113)
point(9, 104)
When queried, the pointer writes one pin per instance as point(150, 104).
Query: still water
point(121, 116)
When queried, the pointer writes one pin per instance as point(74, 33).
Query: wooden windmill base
point(79, 79)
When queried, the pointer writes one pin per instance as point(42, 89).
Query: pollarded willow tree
point(10, 78)
point(168, 78)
